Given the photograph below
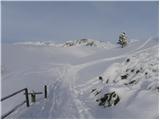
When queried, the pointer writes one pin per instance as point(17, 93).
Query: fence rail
point(17, 106)
point(12, 94)
point(26, 93)
point(15, 93)
point(11, 111)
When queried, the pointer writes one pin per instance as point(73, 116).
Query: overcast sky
point(62, 21)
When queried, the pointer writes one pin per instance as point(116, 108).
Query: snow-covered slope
point(135, 81)
point(84, 82)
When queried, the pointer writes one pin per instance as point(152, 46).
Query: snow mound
point(137, 77)
point(140, 67)
point(88, 42)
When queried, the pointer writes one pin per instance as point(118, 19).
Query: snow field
point(72, 73)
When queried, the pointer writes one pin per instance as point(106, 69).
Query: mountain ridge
point(71, 43)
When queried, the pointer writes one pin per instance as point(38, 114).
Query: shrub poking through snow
point(127, 70)
point(131, 82)
point(128, 60)
point(146, 73)
point(124, 76)
point(107, 81)
point(101, 78)
point(93, 90)
point(132, 70)
point(109, 99)
point(97, 93)
point(137, 71)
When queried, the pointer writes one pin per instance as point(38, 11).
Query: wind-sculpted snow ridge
point(89, 42)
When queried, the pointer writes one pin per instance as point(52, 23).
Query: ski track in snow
point(143, 44)
point(56, 106)
point(66, 104)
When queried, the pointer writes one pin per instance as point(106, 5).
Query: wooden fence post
point(33, 97)
point(27, 98)
point(45, 91)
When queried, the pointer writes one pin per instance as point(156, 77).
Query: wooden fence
point(26, 93)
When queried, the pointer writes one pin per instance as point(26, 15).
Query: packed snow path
point(70, 83)
point(62, 101)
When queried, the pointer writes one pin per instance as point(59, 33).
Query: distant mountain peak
point(88, 42)
point(80, 42)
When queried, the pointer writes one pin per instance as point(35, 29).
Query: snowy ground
point(72, 74)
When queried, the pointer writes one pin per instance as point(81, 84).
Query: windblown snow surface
point(72, 76)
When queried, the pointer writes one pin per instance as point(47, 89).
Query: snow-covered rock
point(88, 42)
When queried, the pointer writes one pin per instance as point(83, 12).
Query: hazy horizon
point(71, 20)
